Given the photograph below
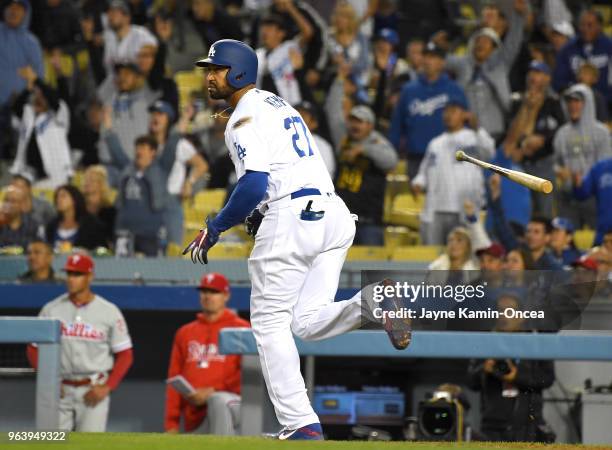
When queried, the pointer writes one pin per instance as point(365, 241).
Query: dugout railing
point(46, 333)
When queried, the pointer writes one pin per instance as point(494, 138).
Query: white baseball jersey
point(184, 152)
point(278, 64)
point(266, 134)
point(327, 153)
point(297, 258)
point(448, 182)
point(91, 333)
point(126, 49)
point(51, 133)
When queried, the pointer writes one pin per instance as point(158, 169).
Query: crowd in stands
point(99, 110)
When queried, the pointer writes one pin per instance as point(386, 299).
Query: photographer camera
point(442, 417)
point(511, 389)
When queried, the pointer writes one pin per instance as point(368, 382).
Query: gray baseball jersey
point(91, 333)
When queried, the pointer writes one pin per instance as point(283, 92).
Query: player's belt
point(304, 192)
point(83, 381)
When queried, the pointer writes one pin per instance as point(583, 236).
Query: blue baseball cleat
point(312, 432)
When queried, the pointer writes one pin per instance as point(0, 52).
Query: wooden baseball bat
point(532, 182)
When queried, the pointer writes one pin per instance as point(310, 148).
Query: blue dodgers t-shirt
point(418, 114)
point(515, 199)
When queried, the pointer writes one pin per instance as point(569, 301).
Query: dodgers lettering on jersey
point(429, 106)
point(266, 134)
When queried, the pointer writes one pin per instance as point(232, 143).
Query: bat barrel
point(524, 179)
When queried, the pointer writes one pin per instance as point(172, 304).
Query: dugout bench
point(257, 414)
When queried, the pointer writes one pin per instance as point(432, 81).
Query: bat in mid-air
point(532, 182)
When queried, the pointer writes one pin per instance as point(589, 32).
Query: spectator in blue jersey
point(417, 118)
point(562, 242)
point(598, 183)
point(590, 45)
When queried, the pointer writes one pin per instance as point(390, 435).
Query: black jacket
point(518, 415)
point(90, 234)
point(550, 118)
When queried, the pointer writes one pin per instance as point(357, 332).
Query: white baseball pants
point(295, 269)
point(75, 415)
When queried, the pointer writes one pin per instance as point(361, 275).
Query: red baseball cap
point(496, 250)
point(215, 281)
point(586, 262)
point(79, 262)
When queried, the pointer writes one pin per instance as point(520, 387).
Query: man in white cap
point(483, 72)
point(364, 158)
point(123, 40)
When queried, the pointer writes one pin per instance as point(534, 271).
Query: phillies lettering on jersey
point(203, 354)
point(91, 333)
point(82, 330)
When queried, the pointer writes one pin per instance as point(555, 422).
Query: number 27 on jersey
point(291, 122)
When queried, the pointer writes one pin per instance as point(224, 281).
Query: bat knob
point(547, 187)
point(460, 155)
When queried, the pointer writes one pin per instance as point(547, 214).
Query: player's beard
point(217, 93)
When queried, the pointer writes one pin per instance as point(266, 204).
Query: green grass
point(153, 441)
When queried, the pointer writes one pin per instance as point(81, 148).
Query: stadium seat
point(406, 210)
point(401, 167)
point(367, 253)
point(174, 250)
point(113, 195)
point(583, 239)
point(205, 203)
point(68, 66)
point(209, 199)
point(396, 184)
point(193, 221)
point(238, 233)
point(77, 179)
point(46, 194)
point(188, 81)
point(230, 250)
point(425, 253)
point(400, 236)
point(606, 14)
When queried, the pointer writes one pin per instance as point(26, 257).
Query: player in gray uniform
point(96, 348)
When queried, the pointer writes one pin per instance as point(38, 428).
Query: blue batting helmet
point(239, 57)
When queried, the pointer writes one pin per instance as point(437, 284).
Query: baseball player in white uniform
point(302, 232)
point(96, 348)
